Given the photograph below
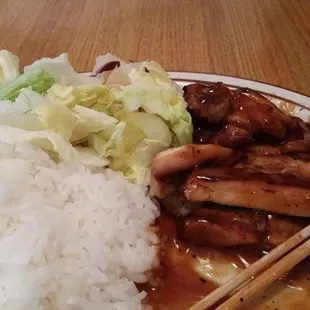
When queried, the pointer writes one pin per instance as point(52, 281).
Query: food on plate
point(266, 172)
point(76, 218)
point(246, 116)
point(169, 163)
point(126, 116)
point(274, 193)
point(120, 190)
point(70, 238)
point(241, 188)
point(9, 64)
point(210, 101)
point(227, 228)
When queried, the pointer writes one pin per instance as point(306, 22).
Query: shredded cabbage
point(52, 142)
point(138, 112)
point(153, 91)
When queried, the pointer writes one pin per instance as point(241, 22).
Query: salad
point(119, 117)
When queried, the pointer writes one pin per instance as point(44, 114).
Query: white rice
point(70, 239)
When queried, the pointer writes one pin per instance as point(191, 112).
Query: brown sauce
point(177, 285)
point(174, 284)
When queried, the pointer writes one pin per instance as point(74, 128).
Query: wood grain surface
point(266, 40)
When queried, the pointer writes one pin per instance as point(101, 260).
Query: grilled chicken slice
point(225, 228)
point(263, 150)
point(273, 193)
point(277, 159)
point(222, 228)
point(274, 165)
point(289, 148)
point(174, 161)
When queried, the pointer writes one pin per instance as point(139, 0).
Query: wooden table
point(267, 40)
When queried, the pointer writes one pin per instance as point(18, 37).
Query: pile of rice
point(70, 238)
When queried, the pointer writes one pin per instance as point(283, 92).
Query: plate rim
point(172, 72)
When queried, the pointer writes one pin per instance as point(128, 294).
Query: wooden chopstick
point(251, 271)
point(267, 277)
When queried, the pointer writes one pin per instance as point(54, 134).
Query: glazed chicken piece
point(242, 115)
point(275, 193)
point(174, 161)
point(252, 113)
point(232, 136)
point(220, 227)
point(208, 101)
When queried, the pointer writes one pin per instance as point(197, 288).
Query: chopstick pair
point(288, 261)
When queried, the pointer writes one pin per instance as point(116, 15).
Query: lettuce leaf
point(139, 163)
point(95, 97)
point(117, 144)
point(52, 142)
point(154, 92)
point(90, 121)
point(62, 71)
point(132, 145)
point(73, 124)
point(152, 126)
point(9, 66)
point(38, 81)
point(56, 118)
point(32, 111)
point(139, 112)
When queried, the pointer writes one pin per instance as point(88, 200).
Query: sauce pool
point(188, 273)
point(174, 284)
